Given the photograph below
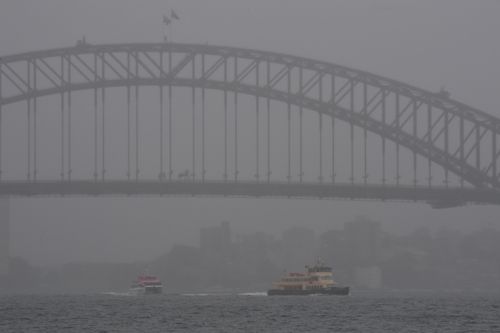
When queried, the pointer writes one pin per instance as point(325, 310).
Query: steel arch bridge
point(423, 146)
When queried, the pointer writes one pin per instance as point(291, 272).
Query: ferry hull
point(146, 291)
point(341, 291)
point(152, 291)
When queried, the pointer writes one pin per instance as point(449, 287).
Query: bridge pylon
point(4, 236)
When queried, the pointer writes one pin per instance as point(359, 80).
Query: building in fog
point(299, 248)
point(363, 238)
point(216, 239)
point(334, 248)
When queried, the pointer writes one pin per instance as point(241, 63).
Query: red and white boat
point(146, 285)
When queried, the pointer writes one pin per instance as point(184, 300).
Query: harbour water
point(252, 312)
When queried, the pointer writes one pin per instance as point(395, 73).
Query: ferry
point(146, 285)
point(316, 280)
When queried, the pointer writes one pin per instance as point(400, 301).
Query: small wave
point(256, 293)
point(205, 294)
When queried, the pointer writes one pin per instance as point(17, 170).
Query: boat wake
point(207, 294)
point(122, 294)
point(234, 293)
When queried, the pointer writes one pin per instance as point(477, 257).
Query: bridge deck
point(437, 196)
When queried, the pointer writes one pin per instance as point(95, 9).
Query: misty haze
point(217, 151)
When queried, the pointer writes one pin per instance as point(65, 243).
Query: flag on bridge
point(174, 15)
point(166, 20)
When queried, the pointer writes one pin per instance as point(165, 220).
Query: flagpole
point(168, 22)
point(171, 31)
point(173, 17)
point(165, 33)
point(168, 25)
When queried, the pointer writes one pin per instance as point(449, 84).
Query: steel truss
point(432, 126)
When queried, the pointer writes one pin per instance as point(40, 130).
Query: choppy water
point(252, 312)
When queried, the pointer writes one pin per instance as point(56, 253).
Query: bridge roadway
point(438, 197)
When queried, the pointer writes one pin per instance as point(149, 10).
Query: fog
point(426, 43)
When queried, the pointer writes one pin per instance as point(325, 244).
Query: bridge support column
point(4, 236)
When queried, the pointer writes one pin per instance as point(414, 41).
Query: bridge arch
point(356, 97)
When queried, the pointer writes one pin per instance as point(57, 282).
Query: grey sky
point(427, 43)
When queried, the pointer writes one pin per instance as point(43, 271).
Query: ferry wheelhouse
point(317, 279)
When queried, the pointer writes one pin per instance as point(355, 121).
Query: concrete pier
point(4, 235)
